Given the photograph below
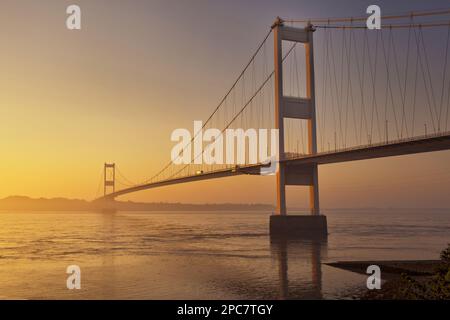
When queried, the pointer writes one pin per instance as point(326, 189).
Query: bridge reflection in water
point(296, 267)
point(299, 268)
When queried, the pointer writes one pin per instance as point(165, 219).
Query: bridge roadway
point(436, 142)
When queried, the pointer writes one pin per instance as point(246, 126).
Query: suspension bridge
point(337, 92)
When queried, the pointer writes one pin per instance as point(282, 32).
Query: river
point(208, 255)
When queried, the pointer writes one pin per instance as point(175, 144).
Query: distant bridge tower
point(109, 177)
point(302, 108)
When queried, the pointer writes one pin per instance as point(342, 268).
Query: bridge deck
point(394, 148)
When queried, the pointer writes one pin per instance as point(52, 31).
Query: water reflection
point(299, 267)
point(108, 279)
point(203, 268)
point(199, 256)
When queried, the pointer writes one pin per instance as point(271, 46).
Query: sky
point(115, 90)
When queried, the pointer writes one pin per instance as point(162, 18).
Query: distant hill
point(43, 204)
point(21, 203)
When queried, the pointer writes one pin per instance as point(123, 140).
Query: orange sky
point(114, 91)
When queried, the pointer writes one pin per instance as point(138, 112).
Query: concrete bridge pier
point(303, 109)
point(298, 227)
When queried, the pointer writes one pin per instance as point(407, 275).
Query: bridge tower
point(301, 108)
point(109, 177)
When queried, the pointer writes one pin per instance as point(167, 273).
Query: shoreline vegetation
point(405, 280)
point(22, 203)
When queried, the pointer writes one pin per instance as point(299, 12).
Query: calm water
point(168, 255)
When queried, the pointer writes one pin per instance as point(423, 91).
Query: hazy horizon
point(21, 197)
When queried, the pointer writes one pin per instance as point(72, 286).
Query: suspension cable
point(387, 17)
point(444, 74)
point(390, 26)
point(242, 109)
point(219, 105)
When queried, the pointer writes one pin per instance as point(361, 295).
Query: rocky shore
point(408, 279)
